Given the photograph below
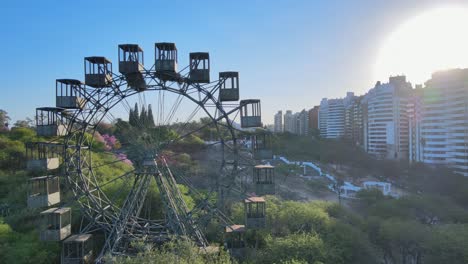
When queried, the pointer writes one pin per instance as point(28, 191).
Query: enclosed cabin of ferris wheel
point(229, 86)
point(255, 212)
point(262, 146)
point(69, 94)
point(264, 179)
point(43, 191)
point(199, 67)
point(131, 63)
point(43, 156)
point(50, 122)
point(55, 224)
point(166, 60)
point(234, 240)
point(78, 249)
point(250, 113)
point(98, 72)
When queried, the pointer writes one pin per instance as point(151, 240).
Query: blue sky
point(290, 54)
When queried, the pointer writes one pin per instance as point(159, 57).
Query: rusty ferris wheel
point(81, 107)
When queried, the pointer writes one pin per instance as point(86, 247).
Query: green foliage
point(177, 251)
point(302, 248)
point(370, 196)
point(25, 247)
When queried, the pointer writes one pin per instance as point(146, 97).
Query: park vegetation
point(428, 225)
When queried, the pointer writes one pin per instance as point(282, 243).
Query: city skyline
point(251, 44)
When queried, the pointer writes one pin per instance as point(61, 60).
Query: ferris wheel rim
point(78, 192)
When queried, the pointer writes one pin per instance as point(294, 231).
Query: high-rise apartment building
point(332, 116)
point(313, 118)
point(414, 125)
point(387, 129)
point(444, 120)
point(303, 123)
point(354, 123)
point(278, 125)
point(289, 122)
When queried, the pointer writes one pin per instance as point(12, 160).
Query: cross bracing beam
point(129, 212)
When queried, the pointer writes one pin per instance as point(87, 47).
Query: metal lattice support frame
point(122, 224)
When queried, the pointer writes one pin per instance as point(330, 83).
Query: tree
point(24, 123)
point(150, 117)
point(4, 118)
point(134, 118)
point(143, 117)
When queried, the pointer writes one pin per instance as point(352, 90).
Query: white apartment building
point(332, 116)
point(444, 120)
point(303, 123)
point(323, 118)
point(289, 122)
point(278, 125)
point(387, 129)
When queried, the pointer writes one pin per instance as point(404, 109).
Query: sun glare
point(432, 41)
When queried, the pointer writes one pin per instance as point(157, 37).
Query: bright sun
point(432, 41)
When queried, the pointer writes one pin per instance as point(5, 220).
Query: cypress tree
point(133, 118)
point(136, 114)
point(143, 117)
point(150, 117)
point(130, 117)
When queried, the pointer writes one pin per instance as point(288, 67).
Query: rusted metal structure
point(234, 240)
point(50, 122)
point(79, 110)
point(69, 94)
point(264, 179)
point(131, 65)
point(43, 191)
point(56, 224)
point(255, 212)
point(43, 156)
point(262, 146)
point(98, 72)
point(251, 115)
point(199, 67)
point(229, 86)
point(78, 249)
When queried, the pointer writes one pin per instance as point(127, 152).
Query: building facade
point(289, 122)
point(354, 123)
point(278, 125)
point(303, 123)
point(332, 114)
point(387, 129)
point(314, 119)
point(444, 120)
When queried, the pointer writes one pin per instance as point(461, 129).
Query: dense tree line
point(143, 119)
point(427, 226)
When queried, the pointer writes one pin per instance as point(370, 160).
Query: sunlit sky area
point(290, 54)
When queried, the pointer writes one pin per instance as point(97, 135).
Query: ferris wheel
point(180, 96)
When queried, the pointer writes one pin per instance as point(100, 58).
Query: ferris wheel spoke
point(131, 209)
point(126, 174)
